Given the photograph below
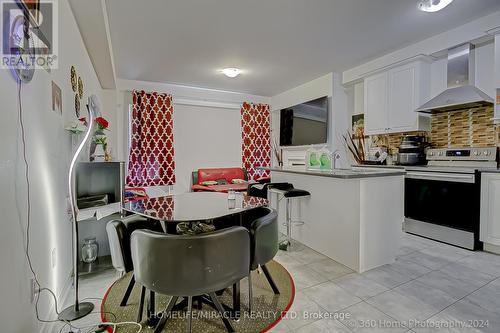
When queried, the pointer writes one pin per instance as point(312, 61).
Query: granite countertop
point(421, 167)
point(379, 166)
point(486, 170)
point(342, 173)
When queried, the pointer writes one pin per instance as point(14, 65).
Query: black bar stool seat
point(295, 192)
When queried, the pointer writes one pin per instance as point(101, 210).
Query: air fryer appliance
point(412, 150)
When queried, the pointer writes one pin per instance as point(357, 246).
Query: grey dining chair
point(119, 231)
point(262, 224)
point(187, 266)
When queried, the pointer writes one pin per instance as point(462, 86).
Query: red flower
point(83, 120)
point(103, 123)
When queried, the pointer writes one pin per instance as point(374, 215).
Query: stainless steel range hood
point(461, 94)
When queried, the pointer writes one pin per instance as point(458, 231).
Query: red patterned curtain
point(256, 139)
point(151, 159)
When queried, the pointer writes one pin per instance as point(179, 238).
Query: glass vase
point(99, 153)
point(90, 250)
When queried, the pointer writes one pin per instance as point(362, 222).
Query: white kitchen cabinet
point(497, 77)
point(497, 60)
point(490, 208)
point(391, 97)
point(376, 103)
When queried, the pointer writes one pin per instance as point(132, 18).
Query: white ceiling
point(279, 44)
point(90, 19)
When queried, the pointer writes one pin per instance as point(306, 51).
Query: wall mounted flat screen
point(304, 124)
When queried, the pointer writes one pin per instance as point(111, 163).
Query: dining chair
point(189, 266)
point(262, 224)
point(119, 231)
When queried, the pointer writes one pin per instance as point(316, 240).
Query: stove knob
point(486, 153)
point(476, 153)
point(441, 153)
point(431, 153)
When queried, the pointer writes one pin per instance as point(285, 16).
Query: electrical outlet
point(34, 290)
point(53, 258)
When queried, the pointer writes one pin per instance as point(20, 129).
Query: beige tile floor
point(432, 287)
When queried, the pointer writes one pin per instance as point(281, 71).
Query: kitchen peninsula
point(346, 217)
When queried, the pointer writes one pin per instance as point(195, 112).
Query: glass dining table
point(194, 206)
point(210, 208)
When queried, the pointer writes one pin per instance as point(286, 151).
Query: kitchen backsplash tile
point(392, 141)
point(472, 128)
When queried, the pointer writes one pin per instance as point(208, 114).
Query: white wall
point(108, 107)
point(207, 128)
point(358, 98)
point(123, 102)
point(320, 87)
point(204, 137)
point(48, 151)
point(339, 112)
point(340, 120)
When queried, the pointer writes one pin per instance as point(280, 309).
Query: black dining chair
point(119, 231)
point(189, 266)
point(262, 224)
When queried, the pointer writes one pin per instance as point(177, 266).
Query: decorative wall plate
point(80, 87)
point(74, 83)
point(77, 105)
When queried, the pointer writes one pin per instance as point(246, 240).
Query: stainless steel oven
point(442, 200)
point(443, 206)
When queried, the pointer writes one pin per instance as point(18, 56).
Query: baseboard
point(62, 300)
point(492, 248)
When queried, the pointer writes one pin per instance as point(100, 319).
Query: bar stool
point(287, 191)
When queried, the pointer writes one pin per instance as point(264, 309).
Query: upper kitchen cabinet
point(497, 60)
point(391, 97)
point(376, 103)
point(497, 78)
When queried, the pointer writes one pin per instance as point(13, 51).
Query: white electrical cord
point(114, 325)
point(123, 323)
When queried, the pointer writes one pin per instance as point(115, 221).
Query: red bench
point(224, 177)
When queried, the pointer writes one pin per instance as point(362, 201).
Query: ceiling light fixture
point(231, 72)
point(433, 5)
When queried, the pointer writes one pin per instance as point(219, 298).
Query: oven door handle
point(439, 176)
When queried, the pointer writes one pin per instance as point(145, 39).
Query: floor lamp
point(78, 310)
